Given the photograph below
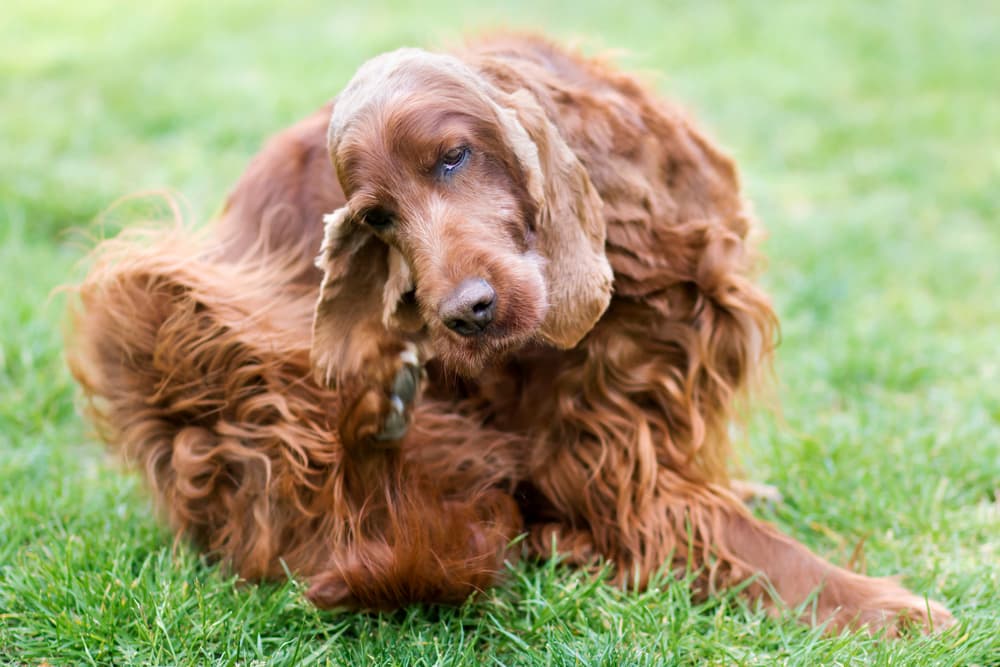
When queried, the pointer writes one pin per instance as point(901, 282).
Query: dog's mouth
point(462, 350)
point(495, 308)
point(468, 356)
point(469, 352)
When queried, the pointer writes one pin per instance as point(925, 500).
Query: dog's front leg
point(365, 340)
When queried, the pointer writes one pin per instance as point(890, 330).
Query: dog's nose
point(469, 309)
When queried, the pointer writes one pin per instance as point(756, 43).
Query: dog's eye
point(379, 218)
point(454, 158)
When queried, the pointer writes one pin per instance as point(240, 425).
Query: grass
point(868, 137)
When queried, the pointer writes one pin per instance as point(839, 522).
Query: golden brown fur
point(256, 391)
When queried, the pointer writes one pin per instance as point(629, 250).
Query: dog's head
point(467, 217)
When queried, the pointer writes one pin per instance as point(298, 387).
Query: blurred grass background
point(869, 137)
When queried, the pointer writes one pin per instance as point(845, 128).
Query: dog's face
point(434, 182)
point(451, 186)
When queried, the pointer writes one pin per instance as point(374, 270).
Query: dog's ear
point(570, 228)
point(363, 282)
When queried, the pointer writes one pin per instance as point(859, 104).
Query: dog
point(532, 313)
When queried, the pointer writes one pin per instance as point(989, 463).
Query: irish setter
point(532, 312)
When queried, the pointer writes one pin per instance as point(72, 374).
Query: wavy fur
point(593, 420)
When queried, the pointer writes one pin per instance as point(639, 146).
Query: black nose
point(469, 309)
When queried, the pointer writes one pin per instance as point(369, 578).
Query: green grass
point(868, 135)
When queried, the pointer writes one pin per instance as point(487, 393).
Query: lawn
point(869, 137)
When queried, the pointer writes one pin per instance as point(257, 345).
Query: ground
point(868, 137)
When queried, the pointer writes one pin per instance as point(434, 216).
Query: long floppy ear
point(571, 229)
point(363, 281)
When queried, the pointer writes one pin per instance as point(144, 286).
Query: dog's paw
point(756, 493)
point(571, 546)
point(382, 411)
point(329, 590)
point(401, 394)
point(906, 612)
point(883, 606)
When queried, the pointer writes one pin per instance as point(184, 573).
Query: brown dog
point(557, 257)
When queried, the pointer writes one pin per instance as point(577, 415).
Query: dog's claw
point(403, 392)
point(404, 387)
point(394, 426)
